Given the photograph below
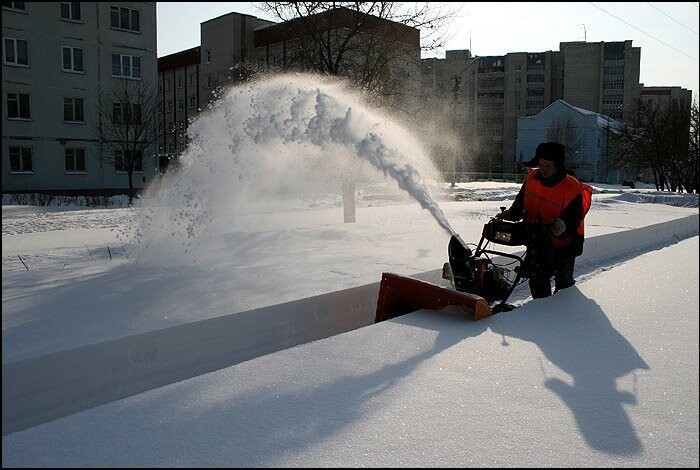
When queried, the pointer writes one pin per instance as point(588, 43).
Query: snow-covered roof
point(602, 121)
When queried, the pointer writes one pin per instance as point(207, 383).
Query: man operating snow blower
point(553, 197)
point(546, 218)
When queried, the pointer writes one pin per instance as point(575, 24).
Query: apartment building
point(188, 81)
point(496, 91)
point(664, 95)
point(226, 50)
point(60, 60)
point(234, 45)
point(602, 77)
point(488, 95)
point(179, 100)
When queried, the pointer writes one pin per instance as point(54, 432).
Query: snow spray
point(260, 137)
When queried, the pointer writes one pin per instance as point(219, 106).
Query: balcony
point(535, 85)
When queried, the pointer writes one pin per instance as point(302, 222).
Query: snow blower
point(479, 284)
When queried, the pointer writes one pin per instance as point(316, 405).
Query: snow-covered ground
point(193, 299)
point(605, 374)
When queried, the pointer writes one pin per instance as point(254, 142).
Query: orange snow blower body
point(399, 295)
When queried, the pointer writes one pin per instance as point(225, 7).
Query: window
point(169, 84)
point(13, 6)
point(135, 157)
point(16, 52)
point(75, 160)
point(126, 66)
point(170, 106)
point(208, 56)
point(70, 11)
point(73, 110)
point(179, 82)
point(21, 159)
point(18, 106)
point(180, 104)
point(125, 18)
point(193, 102)
point(192, 79)
point(126, 113)
point(72, 59)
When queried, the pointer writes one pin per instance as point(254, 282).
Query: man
point(553, 199)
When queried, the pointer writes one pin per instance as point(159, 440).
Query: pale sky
point(667, 32)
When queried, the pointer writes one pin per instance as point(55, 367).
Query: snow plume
point(288, 135)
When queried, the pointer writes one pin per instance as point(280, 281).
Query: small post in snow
point(348, 200)
point(25, 264)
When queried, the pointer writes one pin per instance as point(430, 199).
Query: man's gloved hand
point(504, 215)
point(557, 227)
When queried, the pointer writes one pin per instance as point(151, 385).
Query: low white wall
point(47, 387)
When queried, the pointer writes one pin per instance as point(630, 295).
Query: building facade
point(663, 96)
point(178, 102)
point(491, 93)
point(188, 81)
point(227, 45)
point(233, 46)
point(488, 94)
point(589, 138)
point(602, 77)
point(60, 60)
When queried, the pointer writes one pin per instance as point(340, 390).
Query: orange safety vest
point(544, 204)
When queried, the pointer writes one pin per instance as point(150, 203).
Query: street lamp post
point(455, 97)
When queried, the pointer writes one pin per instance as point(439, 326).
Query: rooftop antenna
point(470, 40)
point(584, 31)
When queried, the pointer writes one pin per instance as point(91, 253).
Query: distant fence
point(469, 176)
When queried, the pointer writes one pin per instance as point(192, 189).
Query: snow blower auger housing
point(479, 286)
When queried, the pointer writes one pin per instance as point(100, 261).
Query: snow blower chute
point(479, 285)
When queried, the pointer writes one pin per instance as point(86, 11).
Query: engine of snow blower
point(475, 272)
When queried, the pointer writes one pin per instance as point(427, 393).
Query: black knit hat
point(553, 151)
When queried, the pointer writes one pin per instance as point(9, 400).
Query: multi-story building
point(492, 95)
point(60, 61)
point(236, 44)
point(178, 101)
point(602, 77)
point(664, 95)
point(189, 80)
point(227, 45)
point(488, 95)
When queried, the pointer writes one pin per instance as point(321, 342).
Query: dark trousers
point(541, 287)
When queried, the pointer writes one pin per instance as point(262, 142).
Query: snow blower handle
point(505, 214)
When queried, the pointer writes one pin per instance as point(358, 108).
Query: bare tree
point(361, 40)
point(660, 139)
point(126, 128)
point(564, 130)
